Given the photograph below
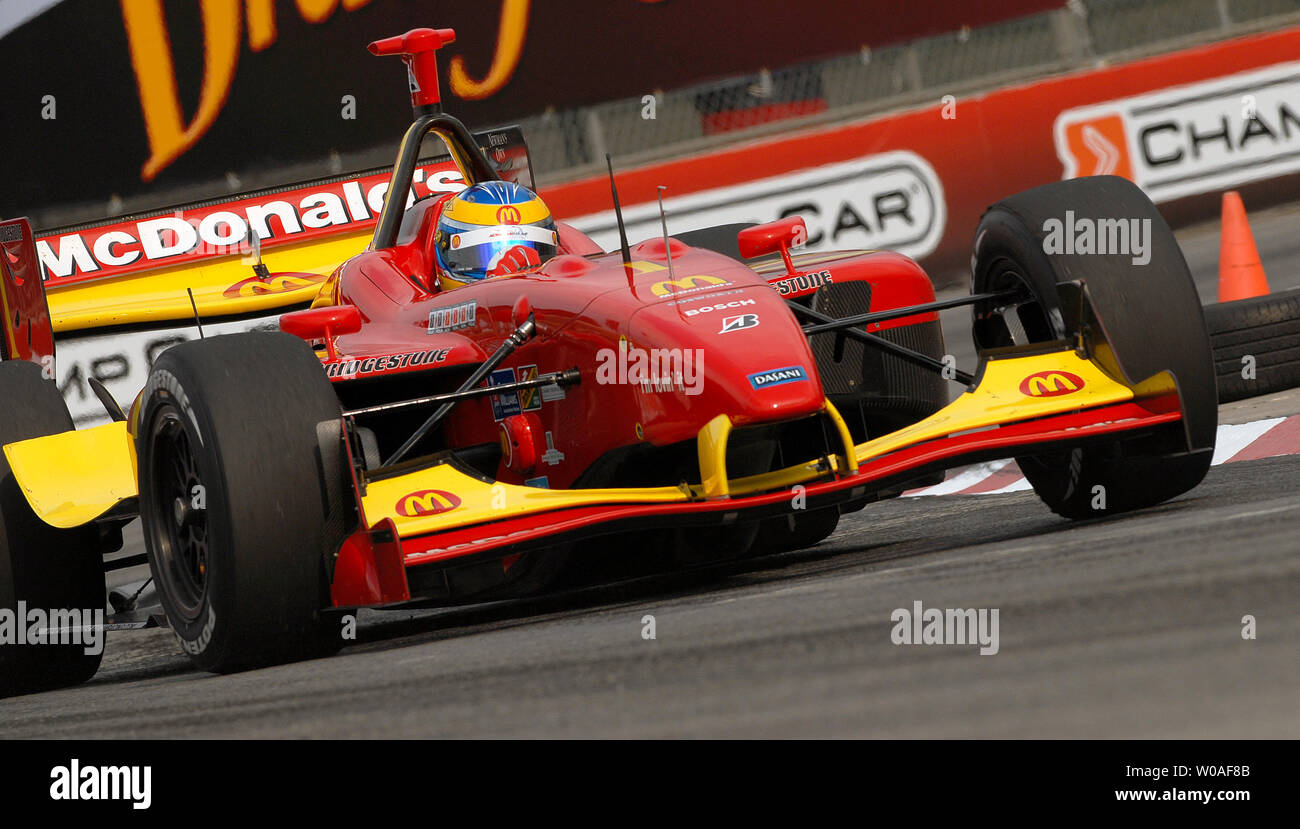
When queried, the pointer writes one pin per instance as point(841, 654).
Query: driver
point(491, 229)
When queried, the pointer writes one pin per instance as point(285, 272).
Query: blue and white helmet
point(493, 228)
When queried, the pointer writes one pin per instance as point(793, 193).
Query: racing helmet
point(491, 229)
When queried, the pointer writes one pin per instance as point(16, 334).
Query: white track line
point(1230, 440)
point(967, 477)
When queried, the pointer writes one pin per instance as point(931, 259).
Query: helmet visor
point(471, 254)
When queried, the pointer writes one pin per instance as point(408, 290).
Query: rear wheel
point(1150, 316)
point(42, 567)
point(242, 497)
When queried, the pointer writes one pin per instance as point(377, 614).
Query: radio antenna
point(663, 220)
point(618, 214)
point(194, 306)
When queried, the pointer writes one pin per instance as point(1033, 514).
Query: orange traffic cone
point(1241, 276)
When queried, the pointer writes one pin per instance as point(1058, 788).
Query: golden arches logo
point(687, 283)
point(508, 215)
point(426, 502)
point(278, 283)
point(1051, 384)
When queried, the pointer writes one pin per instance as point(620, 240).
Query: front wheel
point(241, 497)
point(1149, 321)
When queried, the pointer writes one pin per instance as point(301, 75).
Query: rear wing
point(27, 334)
point(136, 270)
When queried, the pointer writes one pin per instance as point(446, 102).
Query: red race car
point(483, 394)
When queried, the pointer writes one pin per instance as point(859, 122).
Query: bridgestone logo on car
point(1199, 138)
point(378, 365)
point(803, 282)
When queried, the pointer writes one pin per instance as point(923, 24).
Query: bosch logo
point(1050, 384)
point(426, 502)
point(508, 215)
point(704, 309)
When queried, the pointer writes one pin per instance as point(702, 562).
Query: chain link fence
point(570, 144)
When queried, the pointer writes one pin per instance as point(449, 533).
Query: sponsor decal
point(893, 200)
point(453, 318)
point(552, 393)
point(504, 405)
point(777, 377)
point(530, 400)
point(803, 282)
point(200, 643)
point(687, 284)
point(508, 215)
point(227, 229)
point(1184, 140)
point(743, 321)
point(278, 283)
point(721, 306)
point(1050, 384)
point(551, 456)
point(712, 296)
point(541, 482)
point(504, 233)
point(368, 366)
point(426, 502)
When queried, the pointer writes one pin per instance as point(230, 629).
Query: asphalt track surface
point(1121, 627)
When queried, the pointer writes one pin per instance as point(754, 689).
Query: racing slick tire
point(242, 497)
point(1265, 329)
point(43, 567)
point(1093, 480)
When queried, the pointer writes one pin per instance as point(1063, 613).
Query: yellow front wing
point(441, 497)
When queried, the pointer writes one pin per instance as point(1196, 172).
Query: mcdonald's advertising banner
point(137, 96)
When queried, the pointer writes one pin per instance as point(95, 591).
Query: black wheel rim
point(1027, 311)
point(179, 529)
